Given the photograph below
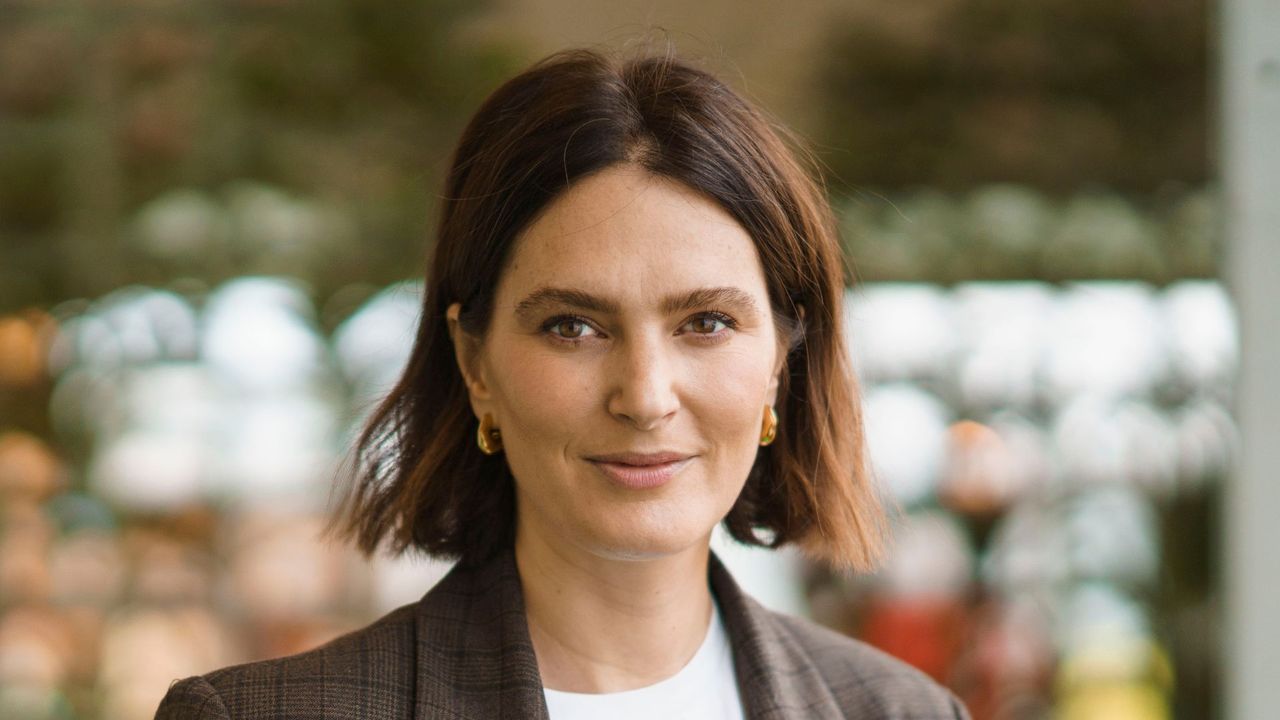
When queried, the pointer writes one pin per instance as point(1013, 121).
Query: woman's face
point(632, 320)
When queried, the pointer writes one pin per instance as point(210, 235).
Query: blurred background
point(213, 221)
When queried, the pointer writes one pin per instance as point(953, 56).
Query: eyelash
point(709, 338)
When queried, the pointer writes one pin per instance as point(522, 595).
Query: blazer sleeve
point(192, 699)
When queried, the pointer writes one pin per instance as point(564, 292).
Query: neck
point(606, 625)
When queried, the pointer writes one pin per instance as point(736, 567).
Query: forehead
point(626, 233)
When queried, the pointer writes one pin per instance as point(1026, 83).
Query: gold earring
point(488, 437)
point(769, 428)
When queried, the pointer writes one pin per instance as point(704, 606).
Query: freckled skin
point(639, 381)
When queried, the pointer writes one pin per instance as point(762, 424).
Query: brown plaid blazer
point(463, 651)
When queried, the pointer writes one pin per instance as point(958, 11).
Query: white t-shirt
point(705, 688)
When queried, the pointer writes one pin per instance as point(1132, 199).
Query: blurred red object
point(925, 632)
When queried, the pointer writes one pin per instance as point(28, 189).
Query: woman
point(631, 332)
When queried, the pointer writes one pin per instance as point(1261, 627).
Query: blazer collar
point(475, 658)
point(777, 679)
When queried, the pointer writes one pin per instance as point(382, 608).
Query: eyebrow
point(700, 297)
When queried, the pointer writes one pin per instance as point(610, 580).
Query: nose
point(643, 393)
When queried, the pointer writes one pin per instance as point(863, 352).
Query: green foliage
point(141, 144)
point(349, 104)
point(1057, 94)
point(1014, 232)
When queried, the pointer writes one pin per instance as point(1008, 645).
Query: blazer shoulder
point(192, 698)
point(868, 682)
point(366, 672)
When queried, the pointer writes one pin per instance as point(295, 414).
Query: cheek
point(729, 395)
point(540, 394)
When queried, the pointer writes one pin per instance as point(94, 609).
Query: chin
point(646, 538)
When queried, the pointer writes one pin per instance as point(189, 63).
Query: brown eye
point(568, 328)
point(571, 328)
point(710, 324)
point(704, 325)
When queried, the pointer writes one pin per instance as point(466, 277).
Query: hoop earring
point(769, 427)
point(488, 437)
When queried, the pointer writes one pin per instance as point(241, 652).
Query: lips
point(640, 471)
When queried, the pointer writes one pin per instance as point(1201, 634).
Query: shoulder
point(800, 667)
point(365, 673)
point(867, 682)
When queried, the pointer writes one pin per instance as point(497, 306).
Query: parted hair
point(421, 483)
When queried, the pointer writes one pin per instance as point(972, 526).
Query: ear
point(779, 367)
point(466, 351)
point(771, 392)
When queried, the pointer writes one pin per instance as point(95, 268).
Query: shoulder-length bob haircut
point(420, 480)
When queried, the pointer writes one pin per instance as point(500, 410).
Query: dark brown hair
point(420, 480)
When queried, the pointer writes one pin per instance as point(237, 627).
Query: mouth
point(639, 472)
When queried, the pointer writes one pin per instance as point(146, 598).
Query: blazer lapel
point(474, 656)
point(777, 679)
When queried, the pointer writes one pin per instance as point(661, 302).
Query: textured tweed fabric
point(463, 651)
